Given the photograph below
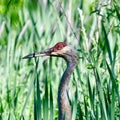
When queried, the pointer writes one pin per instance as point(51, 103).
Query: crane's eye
point(59, 46)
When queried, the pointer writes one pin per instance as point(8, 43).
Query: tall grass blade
point(91, 95)
point(51, 103)
point(45, 101)
point(80, 112)
point(101, 96)
point(92, 98)
point(86, 110)
point(97, 113)
point(37, 99)
point(74, 110)
point(9, 116)
point(107, 43)
point(27, 97)
point(114, 82)
point(117, 10)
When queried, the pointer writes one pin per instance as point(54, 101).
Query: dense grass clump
point(28, 88)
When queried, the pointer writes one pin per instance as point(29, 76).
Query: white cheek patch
point(66, 49)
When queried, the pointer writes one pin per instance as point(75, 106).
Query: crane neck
point(63, 101)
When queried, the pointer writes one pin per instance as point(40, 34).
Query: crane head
point(61, 49)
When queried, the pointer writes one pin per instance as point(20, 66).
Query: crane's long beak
point(39, 54)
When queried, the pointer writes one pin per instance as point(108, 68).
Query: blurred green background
point(28, 88)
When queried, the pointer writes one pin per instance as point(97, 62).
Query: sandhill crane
point(69, 54)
